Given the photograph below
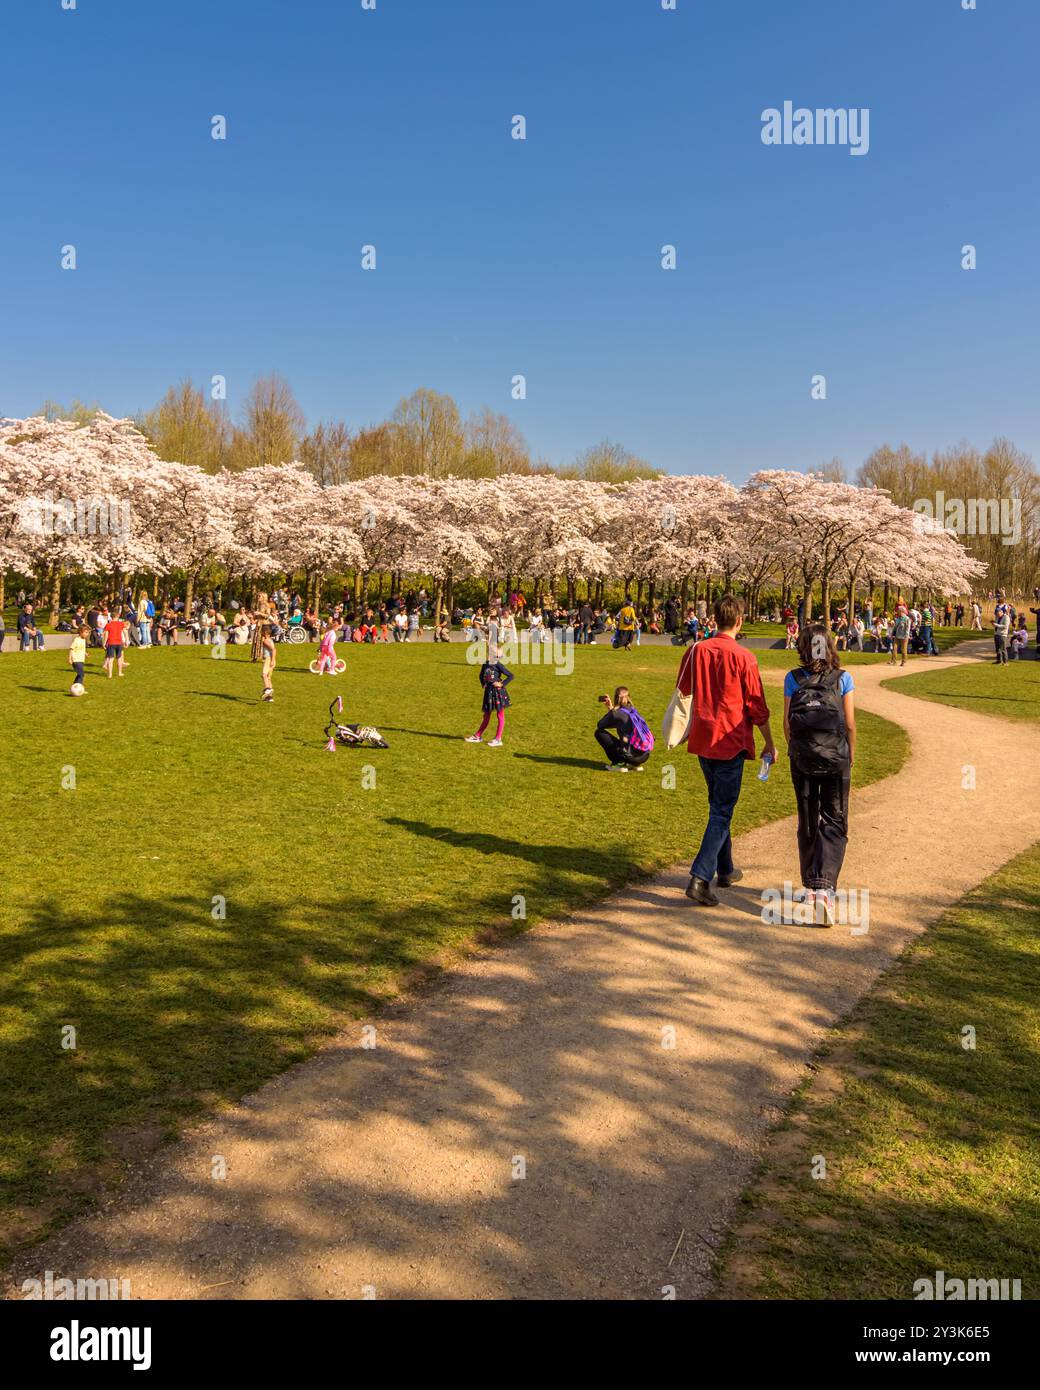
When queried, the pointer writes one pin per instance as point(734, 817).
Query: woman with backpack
point(820, 728)
point(622, 733)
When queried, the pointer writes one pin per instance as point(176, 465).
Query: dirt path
point(392, 1169)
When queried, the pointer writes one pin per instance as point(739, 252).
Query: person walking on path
point(900, 634)
point(820, 728)
point(976, 617)
point(725, 689)
point(928, 630)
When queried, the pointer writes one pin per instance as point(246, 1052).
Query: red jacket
point(727, 697)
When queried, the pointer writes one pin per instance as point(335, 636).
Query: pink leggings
point(487, 720)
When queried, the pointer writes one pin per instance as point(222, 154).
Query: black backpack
point(819, 739)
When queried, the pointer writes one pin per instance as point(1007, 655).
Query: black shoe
point(727, 880)
point(699, 891)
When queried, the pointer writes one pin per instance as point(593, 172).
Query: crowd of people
point(907, 629)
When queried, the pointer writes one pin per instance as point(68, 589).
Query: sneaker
point(474, 738)
point(268, 696)
point(616, 767)
point(640, 768)
point(495, 743)
point(823, 914)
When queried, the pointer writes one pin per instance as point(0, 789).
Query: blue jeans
point(723, 776)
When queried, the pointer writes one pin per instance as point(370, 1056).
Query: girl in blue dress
point(494, 677)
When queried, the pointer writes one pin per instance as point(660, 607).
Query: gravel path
point(395, 1171)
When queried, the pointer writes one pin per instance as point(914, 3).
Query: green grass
point(931, 1149)
point(1011, 691)
point(187, 788)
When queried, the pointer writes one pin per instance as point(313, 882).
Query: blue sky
point(542, 257)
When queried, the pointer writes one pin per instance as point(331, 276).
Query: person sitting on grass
point(622, 733)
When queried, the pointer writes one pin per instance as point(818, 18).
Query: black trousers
point(617, 751)
point(823, 825)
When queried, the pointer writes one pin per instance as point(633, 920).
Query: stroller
point(352, 735)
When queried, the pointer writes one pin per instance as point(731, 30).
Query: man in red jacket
point(727, 703)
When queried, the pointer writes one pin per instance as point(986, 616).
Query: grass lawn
point(931, 1149)
point(1012, 691)
point(188, 790)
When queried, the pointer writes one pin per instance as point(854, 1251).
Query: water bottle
point(767, 763)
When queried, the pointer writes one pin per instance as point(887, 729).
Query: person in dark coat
point(494, 677)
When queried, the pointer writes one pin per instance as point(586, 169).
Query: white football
point(77, 689)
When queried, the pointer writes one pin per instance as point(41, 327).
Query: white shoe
point(824, 914)
point(495, 743)
point(640, 768)
point(616, 767)
point(474, 738)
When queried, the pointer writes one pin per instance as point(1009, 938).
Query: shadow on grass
point(562, 762)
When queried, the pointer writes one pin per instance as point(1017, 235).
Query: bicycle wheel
point(313, 668)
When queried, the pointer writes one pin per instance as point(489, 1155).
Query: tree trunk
point(825, 600)
point(55, 594)
point(189, 593)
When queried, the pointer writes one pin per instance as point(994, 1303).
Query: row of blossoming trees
point(96, 500)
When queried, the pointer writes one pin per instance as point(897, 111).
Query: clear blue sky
point(497, 257)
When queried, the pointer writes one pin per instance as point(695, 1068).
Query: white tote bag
point(675, 727)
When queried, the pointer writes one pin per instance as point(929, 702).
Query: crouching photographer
point(623, 734)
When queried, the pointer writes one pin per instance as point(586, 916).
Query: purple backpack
point(642, 739)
